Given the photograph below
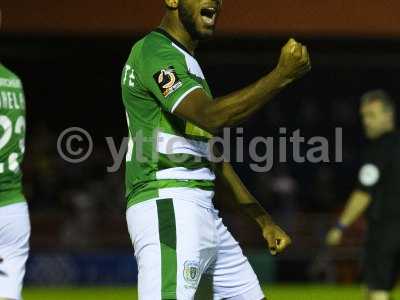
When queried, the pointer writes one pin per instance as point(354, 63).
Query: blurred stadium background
point(70, 54)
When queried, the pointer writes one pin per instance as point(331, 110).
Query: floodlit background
point(70, 54)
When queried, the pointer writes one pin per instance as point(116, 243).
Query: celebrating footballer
point(176, 232)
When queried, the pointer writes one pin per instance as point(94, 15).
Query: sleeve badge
point(167, 81)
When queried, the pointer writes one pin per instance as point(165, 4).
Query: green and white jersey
point(12, 137)
point(164, 150)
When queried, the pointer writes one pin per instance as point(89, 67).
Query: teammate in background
point(378, 194)
point(14, 216)
point(176, 232)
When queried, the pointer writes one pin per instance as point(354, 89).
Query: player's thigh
point(142, 220)
point(174, 242)
point(233, 276)
point(14, 248)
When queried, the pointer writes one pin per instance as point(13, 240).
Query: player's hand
point(334, 237)
point(277, 239)
point(294, 61)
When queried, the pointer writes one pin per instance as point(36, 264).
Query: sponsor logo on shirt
point(167, 81)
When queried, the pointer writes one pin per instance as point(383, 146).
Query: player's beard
point(188, 21)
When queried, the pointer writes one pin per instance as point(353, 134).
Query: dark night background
point(73, 79)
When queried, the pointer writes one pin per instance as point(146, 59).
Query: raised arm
point(213, 115)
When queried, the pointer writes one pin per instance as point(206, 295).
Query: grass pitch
point(273, 292)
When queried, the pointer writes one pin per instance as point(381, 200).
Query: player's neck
point(178, 32)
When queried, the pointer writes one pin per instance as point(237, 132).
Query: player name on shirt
point(12, 100)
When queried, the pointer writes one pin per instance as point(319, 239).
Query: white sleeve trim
point(184, 96)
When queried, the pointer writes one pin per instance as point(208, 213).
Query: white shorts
point(176, 241)
point(15, 231)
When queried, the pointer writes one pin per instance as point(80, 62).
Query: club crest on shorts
point(191, 273)
point(167, 81)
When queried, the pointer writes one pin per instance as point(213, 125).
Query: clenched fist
point(277, 239)
point(294, 61)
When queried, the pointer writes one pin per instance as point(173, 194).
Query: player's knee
point(378, 295)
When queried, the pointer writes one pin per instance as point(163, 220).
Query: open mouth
point(208, 14)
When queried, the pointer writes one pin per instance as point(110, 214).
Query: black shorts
point(382, 258)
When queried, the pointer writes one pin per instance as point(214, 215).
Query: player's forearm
point(238, 106)
point(258, 214)
point(355, 207)
point(243, 197)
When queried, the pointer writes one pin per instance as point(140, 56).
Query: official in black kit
point(377, 194)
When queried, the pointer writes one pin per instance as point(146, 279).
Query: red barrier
point(305, 17)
